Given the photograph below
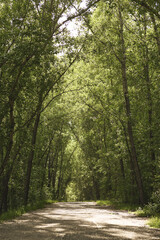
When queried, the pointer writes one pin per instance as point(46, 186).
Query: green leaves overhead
point(79, 115)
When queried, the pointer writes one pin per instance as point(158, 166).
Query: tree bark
point(5, 182)
point(44, 170)
point(54, 175)
point(133, 179)
point(10, 137)
point(149, 99)
point(31, 154)
point(60, 174)
point(128, 111)
point(157, 36)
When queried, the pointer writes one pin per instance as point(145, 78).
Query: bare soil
point(77, 221)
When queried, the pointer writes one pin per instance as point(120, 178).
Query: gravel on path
point(77, 221)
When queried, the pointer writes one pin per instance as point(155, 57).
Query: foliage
point(117, 205)
point(152, 208)
point(79, 115)
point(154, 222)
point(18, 212)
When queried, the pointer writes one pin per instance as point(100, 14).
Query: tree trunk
point(133, 178)
point(54, 175)
point(44, 170)
point(10, 137)
point(128, 112)
point(157, 36)
point(31, 154)
point(108, 172)
point(3, 202)
point(60, 175)
point(149, 99)
point(5, 182)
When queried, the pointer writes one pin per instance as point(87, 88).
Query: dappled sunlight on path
point(77, 221)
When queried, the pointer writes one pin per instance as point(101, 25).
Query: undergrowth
point(11, 214)
point(154, 222)
point(117, 205)
point(150, 212)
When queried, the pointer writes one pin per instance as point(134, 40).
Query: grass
point(154, 218)
point(154, 222)
point(11, 214)
point(117, 205)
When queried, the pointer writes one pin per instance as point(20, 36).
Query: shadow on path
point(77, 221)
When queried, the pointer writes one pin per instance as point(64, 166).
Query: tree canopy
point(79, 114)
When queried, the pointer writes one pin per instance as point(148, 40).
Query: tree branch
point(150, 9)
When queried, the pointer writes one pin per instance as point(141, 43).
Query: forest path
point(77, 221)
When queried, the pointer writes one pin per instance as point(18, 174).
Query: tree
point(31, 31)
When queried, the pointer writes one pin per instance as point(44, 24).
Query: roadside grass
point(153, 218)
point(118, 205)
point(154, 222)
point(11, 214)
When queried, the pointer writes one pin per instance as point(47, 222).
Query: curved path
point(77, 221)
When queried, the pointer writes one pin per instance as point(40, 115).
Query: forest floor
point(77, 221)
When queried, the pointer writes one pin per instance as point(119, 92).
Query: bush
point(152, 209)
point(154, 222)
point(18, 212)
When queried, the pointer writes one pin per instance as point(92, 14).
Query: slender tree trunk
point(128, 112)
point(133, 178)
point(149, 99)
point(5, 182)
point(157, 36)
point(95, 186)
point(54, 175)
point(31, 154)
point(6, 176)
point(123, 179)
point(3, 202)
point(44, 170)
point(122, 172)
point(52, 168)
point(108, 175)
point(10, 137)
point(60, 175)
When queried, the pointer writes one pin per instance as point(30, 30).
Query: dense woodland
point(79, 110)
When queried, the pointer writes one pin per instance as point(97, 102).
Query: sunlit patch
point(49, 225)
point(41, 231)
point(61, 234)
point(22, 221)
point(95, 237)
point(53, 226)
point(59, 229)
point(84, 225)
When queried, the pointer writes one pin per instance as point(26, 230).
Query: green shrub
point(117, 205)
point(152, 209)
point(18, 212)
point(154, 222)
point(140, 212)
point(104, 203)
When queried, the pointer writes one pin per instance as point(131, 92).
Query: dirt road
point(77, 221)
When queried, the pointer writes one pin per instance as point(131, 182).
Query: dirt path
point(77, 221)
